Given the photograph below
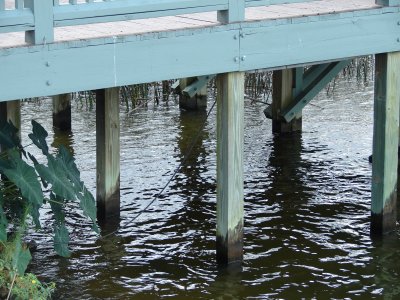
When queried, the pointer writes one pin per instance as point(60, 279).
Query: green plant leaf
point(67, 162)
point(88, 204)
point(25, 178)
point(56, 204)
point(61, 240)
point(38, 137)
point(21, 258)
point(54, 174)
point(9, 136)
point(3, 225)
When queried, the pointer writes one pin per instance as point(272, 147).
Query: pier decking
point(58, 47)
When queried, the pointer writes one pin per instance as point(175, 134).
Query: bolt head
point(48, 83)
point(236, 59)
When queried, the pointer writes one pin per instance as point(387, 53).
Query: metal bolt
point(243, 58)
point(398, 23)
point(47, 64)
point(235, 37)
point(236, 59)
point(48, 82)
point(242, 35)
point(398, 39)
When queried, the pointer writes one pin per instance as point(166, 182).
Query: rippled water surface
point(307, 200)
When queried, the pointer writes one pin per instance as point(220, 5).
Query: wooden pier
point(53, 48)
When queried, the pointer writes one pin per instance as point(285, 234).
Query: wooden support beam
point(282, 97)
point(385, 143)
point(230, 123)
point(11, 111)
point(195, 102)
point(62, 112)
point(108, 155)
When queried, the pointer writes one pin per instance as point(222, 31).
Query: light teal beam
point(313, 89)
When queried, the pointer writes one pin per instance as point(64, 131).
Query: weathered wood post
point(62, 112)
point(11, 111)
point(230, 127)
point(108, 155)
point(283, 95)
point(198, 101)
point(230, 124)
point(385, 143)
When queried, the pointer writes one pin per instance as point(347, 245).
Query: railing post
point(235, 12)
point(44, 19)
point(387, 2)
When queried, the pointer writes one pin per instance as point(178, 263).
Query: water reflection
point(307, 200)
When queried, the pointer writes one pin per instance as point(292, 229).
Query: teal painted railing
point(39, 17)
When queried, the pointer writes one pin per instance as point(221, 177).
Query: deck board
point(199, 20)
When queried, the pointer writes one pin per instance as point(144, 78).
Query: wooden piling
point(11, 111)
point(108, 155)
point(282, 96)
point(199, 101)
point(385, 143)
point(230, 123)
point(62, 112)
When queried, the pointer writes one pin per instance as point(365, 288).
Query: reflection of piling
point(230, 123)
point(108, 154)
point(385, 143)
point(62, 112)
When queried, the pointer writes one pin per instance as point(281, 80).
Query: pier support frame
point(282, 97)
point(62, 112)
point(230, 124)
point(385, 143)
point(108, 155)
point(11, 111)
point(198, 101)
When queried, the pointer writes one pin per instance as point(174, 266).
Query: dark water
point(307, 200)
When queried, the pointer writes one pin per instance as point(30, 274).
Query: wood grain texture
point(107, 154)
point(282, 97)
point(62, 112)
point(385, 143)
point(230, 126)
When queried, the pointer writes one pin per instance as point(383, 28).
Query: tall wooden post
point(11, 111)
point(62, 112)
point(230, 123)
point(385, 143)
point(108, 155)
point(282, 96)
point(198, 101)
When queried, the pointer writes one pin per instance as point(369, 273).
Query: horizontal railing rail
point(253, 3)
point(38, 18)
point(110, 11)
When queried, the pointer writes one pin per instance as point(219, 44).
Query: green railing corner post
point(235, 12)
point(44, 19)
point(388, 2)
